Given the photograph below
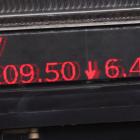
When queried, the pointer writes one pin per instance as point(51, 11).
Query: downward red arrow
point(90, 72)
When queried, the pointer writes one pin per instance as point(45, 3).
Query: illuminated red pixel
point(2, 45)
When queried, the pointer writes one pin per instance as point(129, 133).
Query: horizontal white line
point(94, 24)
point(68, 12)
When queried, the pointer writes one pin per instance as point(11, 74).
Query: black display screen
point(69, 55)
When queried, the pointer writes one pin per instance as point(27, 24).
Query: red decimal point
point(40, 80)
point(124, 75)
point(90, 72)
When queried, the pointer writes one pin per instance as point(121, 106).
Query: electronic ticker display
point(73, 55)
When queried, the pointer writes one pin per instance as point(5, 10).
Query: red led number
point(50, 69)
point(71, 69)
point(1, 75)
point(57, 71)
point(27, 73)
point(10, 74)
point(66, 71)
point(135, 66)
point(112, 69)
